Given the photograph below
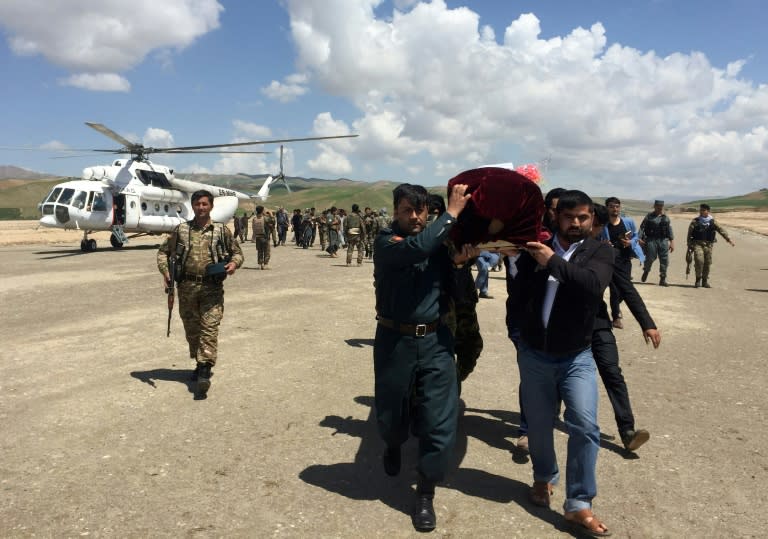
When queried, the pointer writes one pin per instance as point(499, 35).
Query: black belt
point(195, 278)
point(415, 330)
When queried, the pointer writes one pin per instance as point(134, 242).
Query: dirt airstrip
point(101, 436)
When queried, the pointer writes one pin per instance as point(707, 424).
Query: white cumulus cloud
point(294, 87)
point(429, 82)
point(99, 82)
point(97, 39)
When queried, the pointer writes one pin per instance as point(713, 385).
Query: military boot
point(705, 283)
point(203, 379)
point(423, 514)
point(697, 284)
point(644, 277)
point(663, 282)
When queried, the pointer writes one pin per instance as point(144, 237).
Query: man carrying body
point(657, 238)
point(621, 232)
point(206, 253)
point(701, 237)
point(555, 290)
point(260, 231)
point(413, 352)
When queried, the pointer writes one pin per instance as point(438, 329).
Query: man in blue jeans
point(555, 291)
point(485, 261)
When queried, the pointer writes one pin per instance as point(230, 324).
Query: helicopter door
point(118, 217)
point(132, 211)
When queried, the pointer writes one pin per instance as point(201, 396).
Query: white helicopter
point(137, 197)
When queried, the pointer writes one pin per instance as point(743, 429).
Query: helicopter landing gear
point(118, 237)
point(116, 243)
point(87, 245)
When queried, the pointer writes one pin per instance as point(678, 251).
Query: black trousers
point(416, 387)
point(623, 265)
point(606, 355)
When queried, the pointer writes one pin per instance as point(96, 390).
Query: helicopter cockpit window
point(66, 196)
point(79, 200)
point(155, 179)
point(98, 202)
point(54, 195)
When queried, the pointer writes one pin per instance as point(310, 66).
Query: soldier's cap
point(658, 202)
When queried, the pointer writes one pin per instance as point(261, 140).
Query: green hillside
point(25, 197)
point(755, 201)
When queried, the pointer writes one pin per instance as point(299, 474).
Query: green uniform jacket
point(411, 272)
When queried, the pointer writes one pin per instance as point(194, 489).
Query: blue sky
point(634, 98)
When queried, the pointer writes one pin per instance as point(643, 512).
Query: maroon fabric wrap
point(503, 194)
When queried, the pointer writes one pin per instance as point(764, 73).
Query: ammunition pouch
point(216, 273)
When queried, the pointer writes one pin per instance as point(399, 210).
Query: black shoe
point(423, 515)
point(697, 283)
point(633, 439)
point(203, 380)
point(663, 282)
point(644, 276)
point(705, 284)
point(485, 295)
point(391, 461)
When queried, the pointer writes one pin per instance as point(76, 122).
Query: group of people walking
point(559, 326)
point(333, 229)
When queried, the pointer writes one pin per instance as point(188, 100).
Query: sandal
point(540, 493)
point(587, 523)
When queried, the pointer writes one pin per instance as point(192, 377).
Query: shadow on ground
point(364, 477)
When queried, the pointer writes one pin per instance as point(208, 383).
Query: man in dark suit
point(555, 290)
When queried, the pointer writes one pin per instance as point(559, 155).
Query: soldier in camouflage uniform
point(701, 236)
point(354, 232)
point(322, 229)
point(200, 245)
point(260, 234)
point(370, 232)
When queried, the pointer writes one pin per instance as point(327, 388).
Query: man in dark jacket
point(555, 291)
point(606, 352)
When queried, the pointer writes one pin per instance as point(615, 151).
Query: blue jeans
point(485, 261)
point(544, 379)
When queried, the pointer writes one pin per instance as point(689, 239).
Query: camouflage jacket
point(202, 247)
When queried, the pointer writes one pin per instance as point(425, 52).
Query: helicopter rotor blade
point(207, 151)
point(281, 162)
point(107, 132)
point(234, 144)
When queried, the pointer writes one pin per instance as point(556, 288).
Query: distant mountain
point(10, 172)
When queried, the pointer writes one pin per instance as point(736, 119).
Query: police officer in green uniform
point(413, 352)
point(701, 236)
point(206, 252)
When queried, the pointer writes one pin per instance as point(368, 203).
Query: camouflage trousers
point(263, 249)
point(702, 258)
point(201, 307)
point(323, 237)
point(369, 246)
point(355, 240)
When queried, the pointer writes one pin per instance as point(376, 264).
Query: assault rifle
point(688, 260)
point(173, 262)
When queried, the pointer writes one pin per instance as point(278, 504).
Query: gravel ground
point(102, 436)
